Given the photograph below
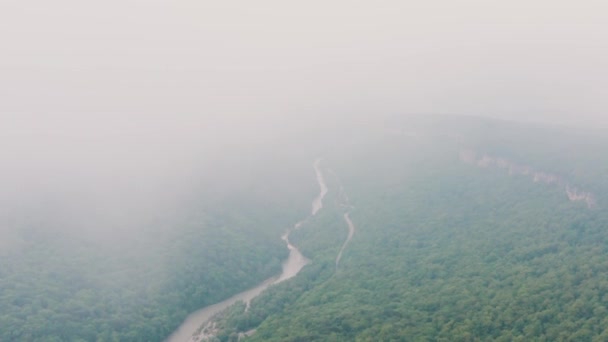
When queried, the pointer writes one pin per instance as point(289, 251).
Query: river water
point(291, 267)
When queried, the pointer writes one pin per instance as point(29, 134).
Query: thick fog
point(132, 99)
point(533, 60)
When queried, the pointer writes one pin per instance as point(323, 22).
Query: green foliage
point(65, 286)
point(445, 251)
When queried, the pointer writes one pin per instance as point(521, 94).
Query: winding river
point(291, 267)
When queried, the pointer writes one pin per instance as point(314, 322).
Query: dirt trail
point(351, 232)
point(344, 203)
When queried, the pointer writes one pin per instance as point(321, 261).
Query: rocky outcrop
point(573, 193)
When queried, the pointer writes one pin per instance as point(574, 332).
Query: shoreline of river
point(291, 267)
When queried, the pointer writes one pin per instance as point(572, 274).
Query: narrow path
point(344, 203)
point(351, 232)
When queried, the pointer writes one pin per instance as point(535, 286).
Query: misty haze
point(318, 171)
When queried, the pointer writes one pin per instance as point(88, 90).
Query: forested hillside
point(465, 230)
point(449, 249)
point(139, 284)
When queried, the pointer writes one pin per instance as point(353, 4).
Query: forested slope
point(466, 230)
point(59, 284)
point(450, 250)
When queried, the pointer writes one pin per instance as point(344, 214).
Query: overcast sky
point(263, 60)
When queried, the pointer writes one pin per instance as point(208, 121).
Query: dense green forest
point(59, 284)
point(447, 250)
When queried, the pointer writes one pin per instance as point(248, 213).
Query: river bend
point(188, 330)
